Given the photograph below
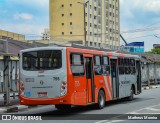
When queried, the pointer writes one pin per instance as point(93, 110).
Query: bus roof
point(44, 48)
point(114, 54)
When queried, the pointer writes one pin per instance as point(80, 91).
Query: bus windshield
point(42, 60)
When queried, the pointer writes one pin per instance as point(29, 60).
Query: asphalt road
point(148, 102)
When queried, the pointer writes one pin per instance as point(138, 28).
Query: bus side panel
point(102, 82)
point(80, 92)
point(77, 85)
point(110, 86)
point(69, 78)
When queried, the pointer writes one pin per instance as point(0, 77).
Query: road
point(147, 102)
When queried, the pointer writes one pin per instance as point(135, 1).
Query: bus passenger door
point(138, 74)
point(114, 77)
point(89, 79)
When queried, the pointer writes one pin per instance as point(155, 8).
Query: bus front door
point(114, 77)
point(90, 79)
point(138, 73)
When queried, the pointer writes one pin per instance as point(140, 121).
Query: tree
point(155, 51)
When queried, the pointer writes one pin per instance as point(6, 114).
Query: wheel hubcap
point(101, 100)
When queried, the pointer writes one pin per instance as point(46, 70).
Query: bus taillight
point(63, 88)
point(22, 89)
point(21, 85)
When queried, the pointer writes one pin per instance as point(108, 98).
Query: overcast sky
point(32, 16)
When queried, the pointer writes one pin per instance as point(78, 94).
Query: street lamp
point(84, 4)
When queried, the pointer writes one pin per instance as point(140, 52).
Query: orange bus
point(66, 76)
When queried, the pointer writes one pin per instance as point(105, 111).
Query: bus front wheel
point(101, 99)
point(130, 98)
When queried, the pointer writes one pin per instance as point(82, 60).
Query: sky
point(30, 17)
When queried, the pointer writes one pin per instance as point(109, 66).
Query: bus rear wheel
point(101, 99)
point(63, 107)
point(130, 98)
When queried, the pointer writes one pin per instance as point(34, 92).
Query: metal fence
point(13, 76)
point(150, 74)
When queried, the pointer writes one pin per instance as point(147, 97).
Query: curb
point(16, 108)
point(145, 88)
point(13, 109)
point(150, 87)
point(2, 110)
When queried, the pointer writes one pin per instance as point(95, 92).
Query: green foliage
point(155, 51)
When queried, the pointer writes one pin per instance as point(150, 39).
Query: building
point(134, 47)
point(46, 35)
point(68, 20)
point(156, 46)
point(11, 35)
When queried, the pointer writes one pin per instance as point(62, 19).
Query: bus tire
point(130, 98)
point(101, 99)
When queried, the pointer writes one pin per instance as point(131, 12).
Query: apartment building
point(46, 34)
point(99, 19)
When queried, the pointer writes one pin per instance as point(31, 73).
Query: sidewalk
point(150, 87)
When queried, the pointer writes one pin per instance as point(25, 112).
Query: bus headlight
point(63, 88)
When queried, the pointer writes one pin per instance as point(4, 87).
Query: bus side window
point(97, 65)
point(132, 66)
point(105, 65)
point(77, 64)
point(121, 66)
point(127, 66)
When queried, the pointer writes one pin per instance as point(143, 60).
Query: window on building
point(110, 5)
point(62, 5)
point(71, 33)
point(70, 14)
point(62, 15)
point(95, 26)
point(62, 24)
point(110, 13)
point(70, 23)
point(70, 5)
point(62, 33)
point(86, 23)
point(91, 44)
point(113, 14)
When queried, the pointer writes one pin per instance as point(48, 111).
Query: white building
point(46, 34)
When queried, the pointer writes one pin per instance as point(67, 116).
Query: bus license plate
point(42, 94)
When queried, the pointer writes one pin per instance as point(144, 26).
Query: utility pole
point(6, 80)
point(84, 4)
